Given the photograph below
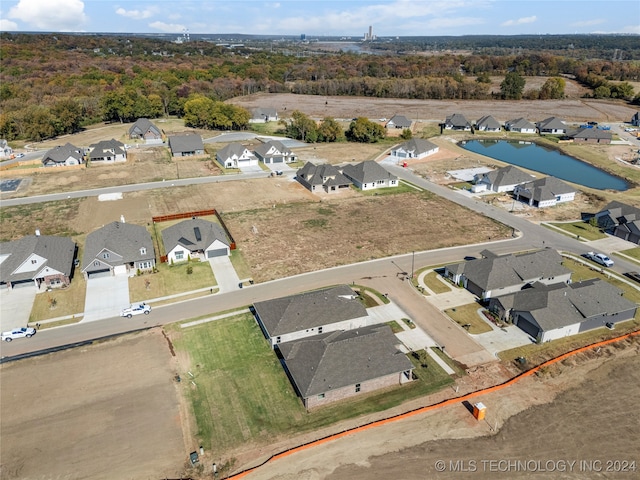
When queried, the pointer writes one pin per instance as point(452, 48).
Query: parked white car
point(137, 309)
point(24, 332)
point(600, 258)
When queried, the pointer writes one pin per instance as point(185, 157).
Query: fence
point(199, 213)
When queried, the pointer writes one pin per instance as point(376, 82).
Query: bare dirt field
point(109, 410)
point(574, 110)
point(575, 411)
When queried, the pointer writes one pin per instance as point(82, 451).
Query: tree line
point(55, 84)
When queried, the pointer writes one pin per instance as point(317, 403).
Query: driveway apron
point(15, 306)
point(105, 297)
point(225, 274)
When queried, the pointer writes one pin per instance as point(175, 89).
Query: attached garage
point(23, 283)
point(99, 273)
point(217, 252)
point(120, 270)
point(527, 326)
point(277, 160)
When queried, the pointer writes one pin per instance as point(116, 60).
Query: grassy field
point(60, 302)
point(582, 229)
point(468, 315)
point(434, 284)
point(242, 395)
point(170, 280)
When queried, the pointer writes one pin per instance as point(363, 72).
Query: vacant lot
point(105, 411)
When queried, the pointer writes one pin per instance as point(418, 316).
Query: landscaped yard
point(433, 281)
point(468, 315)
point(242, 395)
point(60, 302)
point(633, 253)
point(170, 280)
point(581, 229)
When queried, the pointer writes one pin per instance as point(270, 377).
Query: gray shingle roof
point(520, 124)
point(592, 133)
point(142, 126)
point(58, 252)
point(325, 174)
point(508, 270)
point(264, 148)
point(185, 143)
point(557, 306)
point(309, 310)
point(399, 121)
point(552, 123)
point(123, 239)
point(457, 120)
point(546, 188)
point(487, 122)
point(368, 171)
point(104, 148)
point(60, 154)
point(184, 234)
point(505, 176)
point(417, 146)
point(230, 150)
point(334, 360)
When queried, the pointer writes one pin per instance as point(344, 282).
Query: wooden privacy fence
point(198, 213)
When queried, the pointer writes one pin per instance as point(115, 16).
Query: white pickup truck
point(24, 332)
point(600, 258)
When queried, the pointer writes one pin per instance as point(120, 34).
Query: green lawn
point(170, 280)
point(633, 253)
point(468, 315)
point(242, 395)
point(60, 301)
point(434, 283)
point(403, 187)
point(582, 229)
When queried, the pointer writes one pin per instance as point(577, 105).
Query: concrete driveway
point(500, 339)
point(15, 306)
point(105, 297)
point(225, 274)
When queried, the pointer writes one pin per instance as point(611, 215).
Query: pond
point(546, 160)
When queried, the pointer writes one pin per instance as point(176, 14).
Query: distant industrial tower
point(369, 35)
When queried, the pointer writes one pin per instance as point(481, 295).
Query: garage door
point(99, 273)
point(217, 252)
point(245, 161)
point(528, 327)
point(278, 159)
point(23, 283)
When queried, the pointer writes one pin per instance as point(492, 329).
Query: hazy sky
point(324, 17)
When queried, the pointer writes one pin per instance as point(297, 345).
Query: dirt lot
point(65, 415)
point(575, 110)
point(557, 416)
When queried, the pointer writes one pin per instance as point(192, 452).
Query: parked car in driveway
point(137, 309)
point(635, 276)
point(600, 258)
point(24, 332)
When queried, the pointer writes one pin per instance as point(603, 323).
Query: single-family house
point(263, 115)
point(544, 192)
point(274, 151)
point(107, 151)
point(37, 260)
point(635, 120)
point(118, 248)
point(5, 150)
point(195, 239)
point(312, 313)
point(552, 126)
point(457, 121)
point(236, 155)
point(520, 125)
point(143, 128)
point(591, 135)
point(621, 220)
point(369, 174)
point(501, 180)
point(415, 148)
point(496, 275)
point(488, 124)
point(62, 156)
point(549, 312)
point(337, 365)
point(398, 121)
point(325, 177)
point(186, 145)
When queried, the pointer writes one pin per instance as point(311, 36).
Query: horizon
point(350, 18)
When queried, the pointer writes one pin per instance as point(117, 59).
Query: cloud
point(136, 14)
point(520, 21)
point(168, 27)
point(7, 25)
point(52, 15)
